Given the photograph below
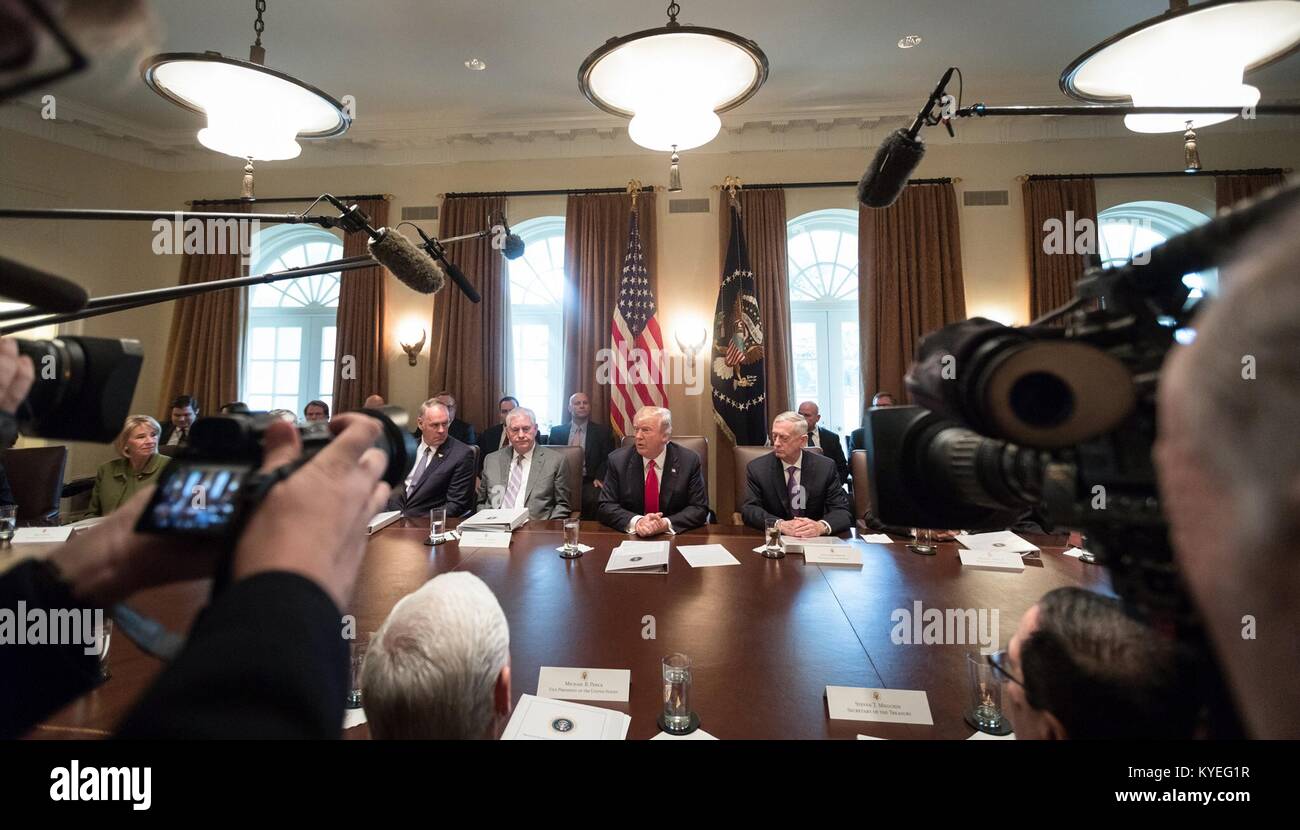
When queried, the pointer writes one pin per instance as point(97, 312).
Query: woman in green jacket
point(139, 465)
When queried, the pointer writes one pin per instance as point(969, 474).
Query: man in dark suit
point(176, 433)
point(460, 430)
point(597, 442)
point(801, 489)
point(443, 475)
point(653, 486)
point(828, 441)
point(494, 437)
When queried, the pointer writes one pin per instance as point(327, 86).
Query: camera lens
point(1042, 400)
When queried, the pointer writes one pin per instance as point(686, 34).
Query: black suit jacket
point(683, 495)
point(167, 429)
point(448, 482)
point(766, 495)
point(462, 432)
point(834, 450)
point(600, 443)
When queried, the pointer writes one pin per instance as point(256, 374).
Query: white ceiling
point(403, 60)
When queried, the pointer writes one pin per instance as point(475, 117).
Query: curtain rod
point(1158, 174)
point(563, 192)
point(804, 185)
point(387, 197)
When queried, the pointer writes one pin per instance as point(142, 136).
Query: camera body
point(213, 485)
point(82, 387)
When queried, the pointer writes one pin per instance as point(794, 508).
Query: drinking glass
point(984, 708)
point(923, 541)
point(571, 548)
point(677, 716)
point(358, 660)
point(437, 521)
point(104, 637)
point(772, 539)
point(8, 521)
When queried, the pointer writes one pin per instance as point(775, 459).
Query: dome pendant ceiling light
point(253, 112)
point(673, 81)
point(1192, 56)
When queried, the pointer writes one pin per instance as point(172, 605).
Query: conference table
point(765, 637)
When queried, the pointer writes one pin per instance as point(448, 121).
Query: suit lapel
point(636, 477)
point(427, 478)
point(668, 476)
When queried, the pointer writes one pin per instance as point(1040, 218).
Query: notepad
point(999, 540)
point(541, 719)
point(992, 560)
point(639, 557)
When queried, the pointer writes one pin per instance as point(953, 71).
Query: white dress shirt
point(520, 499)
point(659, 472)
point(798, 481)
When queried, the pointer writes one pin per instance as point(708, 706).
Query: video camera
point(1058, 419)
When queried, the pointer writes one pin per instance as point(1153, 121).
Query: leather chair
point(743, 455)
point(36, 478)
point(861, 486)
point(573, 475)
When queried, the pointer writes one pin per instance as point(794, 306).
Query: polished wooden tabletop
point(765, 637)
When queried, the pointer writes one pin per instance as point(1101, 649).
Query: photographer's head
point(138, 440)
point(434, 421)
point(1078, 667)
point(521, 430)
point(439, 667)
point(1229, 468)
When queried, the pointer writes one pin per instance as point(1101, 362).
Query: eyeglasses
point(998, 660)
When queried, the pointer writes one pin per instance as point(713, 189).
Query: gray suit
point(546, 492)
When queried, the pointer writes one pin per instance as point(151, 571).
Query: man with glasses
point(1079, 667)
point(443, 474)
point(525, 475)
point(801, 489)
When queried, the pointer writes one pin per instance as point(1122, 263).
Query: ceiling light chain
point(673, 11)
point(256, 52)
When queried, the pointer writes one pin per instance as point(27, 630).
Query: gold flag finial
point(634, 190)
point(732, 185)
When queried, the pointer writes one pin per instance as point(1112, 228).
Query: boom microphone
point(408, 263)
point(885, 179)
point(44, 292)
point(514, 247)
point(457, 276)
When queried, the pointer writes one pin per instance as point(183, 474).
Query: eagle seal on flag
point(739, 389)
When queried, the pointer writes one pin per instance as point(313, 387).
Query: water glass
point(984, 709)
point(772, 539)
point(677, 694)
point(923, 541)
point(103, 638)
point(8, 522)
point(437, 521)
point(571, 548)
point(358, 661)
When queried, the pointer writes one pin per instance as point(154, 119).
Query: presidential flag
point(638, 343)
point(739, 399)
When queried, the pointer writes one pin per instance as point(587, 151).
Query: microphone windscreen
point(416, 269)
point(514, 246)
point(46, 292)
point(885, 179)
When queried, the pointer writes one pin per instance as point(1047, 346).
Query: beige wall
point(116, 256)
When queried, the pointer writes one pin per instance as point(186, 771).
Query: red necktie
point(651, 490)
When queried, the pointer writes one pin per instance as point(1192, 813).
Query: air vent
point(416, 213)
point(984, 198)
point(688, 205)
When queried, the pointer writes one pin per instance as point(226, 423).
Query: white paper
point(697, 735)
point(541, 719)
point(477, 539)
point(833, 555)
point(991, 560)
point(584, 684)
point(870, 738)
point(998, 540)
point(353, 717)
point(984, 736)
point(877, 539)
point(581, 547)
point(42, 534)
point(87, 522)
point(884, 705)
point(706, 556)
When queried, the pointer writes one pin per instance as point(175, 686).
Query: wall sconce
point(690, 338)
point(412, 349)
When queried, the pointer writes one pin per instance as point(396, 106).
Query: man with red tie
point(653, 486)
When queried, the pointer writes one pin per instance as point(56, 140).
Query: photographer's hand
point(16, 374)
point(313, 522)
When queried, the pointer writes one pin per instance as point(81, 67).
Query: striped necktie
point(516, 479)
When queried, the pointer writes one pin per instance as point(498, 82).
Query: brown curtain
point(909, 280)
point(1228, 190)
point(207, 331)
point(595, 239)
point(360, 327)
point(762, 215)
point(1052, 275)
point(469, 343)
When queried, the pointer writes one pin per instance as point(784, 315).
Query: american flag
point(636, 338)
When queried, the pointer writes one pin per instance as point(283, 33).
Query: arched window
point(535, 374)
point(1133, 228)
point(822, 247)
point(289, 347)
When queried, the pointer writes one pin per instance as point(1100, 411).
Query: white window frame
point(827, 315)
point(268, 246)
point(535, 232)
point(1164, 218)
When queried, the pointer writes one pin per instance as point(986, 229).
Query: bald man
point(597, 442)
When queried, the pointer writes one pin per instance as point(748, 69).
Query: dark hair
point(235, 408)
point(321, 404)
point(183, 401)
point(509, 398)
point(1104, 674)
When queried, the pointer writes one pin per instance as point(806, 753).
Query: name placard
point(882, 705)
point(584, 684)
